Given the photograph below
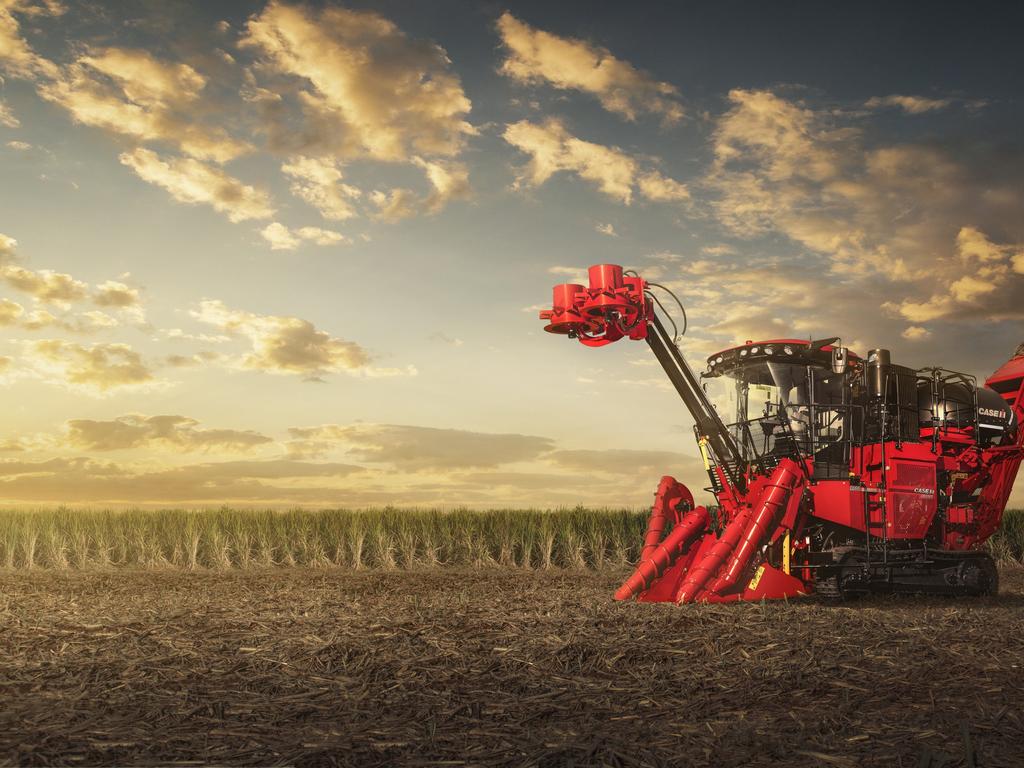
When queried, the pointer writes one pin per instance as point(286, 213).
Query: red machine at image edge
point(834, 474)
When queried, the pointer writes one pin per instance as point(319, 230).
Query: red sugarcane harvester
point(834, 475)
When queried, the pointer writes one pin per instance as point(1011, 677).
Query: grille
point(914, 475)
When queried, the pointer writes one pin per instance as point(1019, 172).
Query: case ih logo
point(993, 412)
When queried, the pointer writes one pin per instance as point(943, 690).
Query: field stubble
point(497, 667)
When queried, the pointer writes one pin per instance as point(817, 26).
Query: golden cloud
point(112, 293)
point(7, 118)
point(879, 214)
point(288, 345)
point(318, 181)
point(395, 204)
point(10, 312)
point(415, 448)
point(570, 64)
point(129, 92)
point(190, 181)
point(16, 56)
point(45, 285)
point(97, 368)
point(553, 149)
point(914, 105)
point(623, 461)
point(86, 480)
point(177, 432)
point(389, 97)
point(281, 238)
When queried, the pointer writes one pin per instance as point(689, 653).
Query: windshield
point(764, 401)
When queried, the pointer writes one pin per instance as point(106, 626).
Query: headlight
point(788, 350)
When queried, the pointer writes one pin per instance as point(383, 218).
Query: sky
point(292, 254)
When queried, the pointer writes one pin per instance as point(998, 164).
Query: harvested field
point(493, 667)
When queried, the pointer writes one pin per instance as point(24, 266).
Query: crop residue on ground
point(493, 667)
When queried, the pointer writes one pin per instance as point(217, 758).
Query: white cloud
point(570, 64)
point(606, 229)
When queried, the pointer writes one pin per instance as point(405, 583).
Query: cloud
point(985, 278)
point(914, 105)
point(450, 181)
point(45, 285)
point(112, 293)
point(10, 312)
point(16, 56)
point(553, 149)
point(624, 461)
point(19, 146)
point(395, 204)
point(288, 345)
point(7, 117)
point(131, 93)
point(86, 480)
point(882, 219)
point(718, 250)
point(606, 229)
point(283, 239)
point(318, 182)
point(190, 181)
point(96, 368)
point(177, 432)
point(58, 289)
point(916, 333)
point(376, 92)
point(570, 64)
point(661, 189)
point(413, 448)
point(7, 248)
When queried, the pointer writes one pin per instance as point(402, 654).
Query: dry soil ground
point(494, 667)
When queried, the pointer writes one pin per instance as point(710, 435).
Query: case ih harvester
point(835, 474)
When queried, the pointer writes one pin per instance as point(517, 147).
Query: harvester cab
point(832, 473)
